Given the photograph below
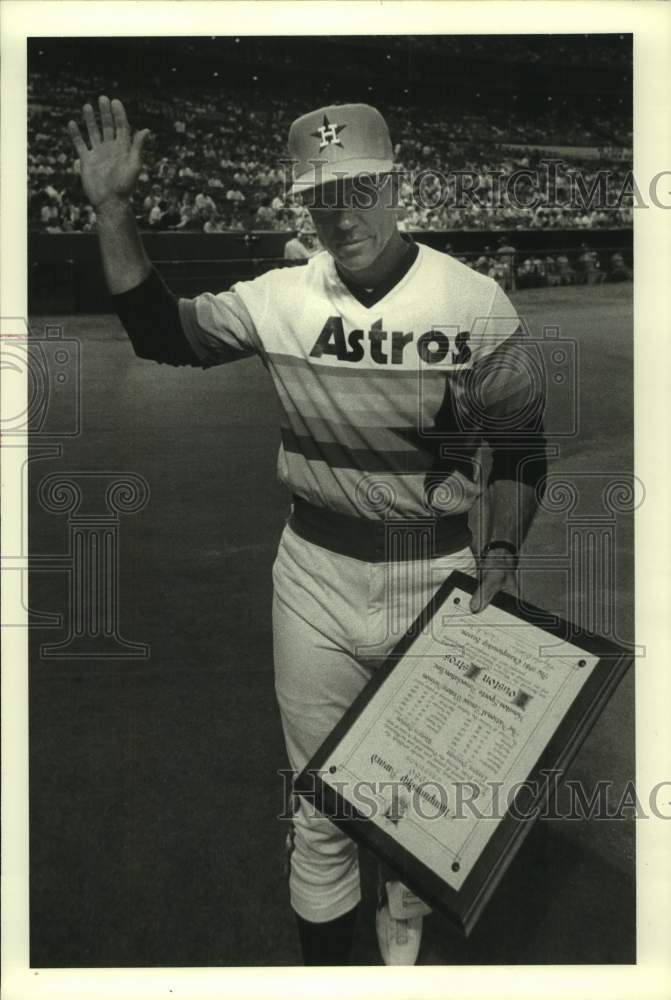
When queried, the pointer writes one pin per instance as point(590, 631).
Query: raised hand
point(111, 166)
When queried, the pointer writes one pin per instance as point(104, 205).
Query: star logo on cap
point(328, 134)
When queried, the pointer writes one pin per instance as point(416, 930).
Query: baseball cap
point(338, 141)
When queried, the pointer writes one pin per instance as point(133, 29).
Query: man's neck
point(382, 267)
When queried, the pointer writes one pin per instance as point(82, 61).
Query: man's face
point(354, 219)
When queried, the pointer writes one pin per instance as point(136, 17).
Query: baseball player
point(381, 351)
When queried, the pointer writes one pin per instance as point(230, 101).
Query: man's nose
point(344, 219)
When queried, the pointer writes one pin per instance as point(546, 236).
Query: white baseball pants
point(335, 619)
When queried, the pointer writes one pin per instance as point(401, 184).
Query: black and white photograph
point(326, 598)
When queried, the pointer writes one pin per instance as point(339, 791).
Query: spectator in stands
point(539, 270)
point(484, 262)
point(219, 144)
point(617, 268)
point(211, 222)
point(204, 202)
point(588, 265)
point(171, 215)
point(506, 254)
point(265, 215)
point(234, 194)
point(525, 273)
point(564, 270)
point(189, 217)
point(303, 245)
point(89, 221)
point(151, 200)
point(235, 220)
point(497, 271)
point(552, 278)
point(600, 275)
point(155, 214)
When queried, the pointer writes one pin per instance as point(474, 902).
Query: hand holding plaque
point(443, 759)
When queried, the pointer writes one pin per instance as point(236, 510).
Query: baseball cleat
point(398, 922)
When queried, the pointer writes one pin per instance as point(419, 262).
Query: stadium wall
point(65, 274)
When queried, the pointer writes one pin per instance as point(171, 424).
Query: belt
point(391, 540)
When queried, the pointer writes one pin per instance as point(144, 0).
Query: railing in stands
point(65, 275)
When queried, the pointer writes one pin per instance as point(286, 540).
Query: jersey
point(367, 388)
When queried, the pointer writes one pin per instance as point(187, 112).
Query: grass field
point(154, 792)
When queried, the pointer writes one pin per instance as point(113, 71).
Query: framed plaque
point(444, 760)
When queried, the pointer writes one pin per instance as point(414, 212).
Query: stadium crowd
point(212, 165)
point(547, 49)
point(513, 269)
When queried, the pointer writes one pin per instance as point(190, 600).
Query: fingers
point(119, 116)
point(91, 125)
point(139, 140)
point(77, 140)
point(112, 119)
point(491, 582)
point(480, 599)
point(106, 119)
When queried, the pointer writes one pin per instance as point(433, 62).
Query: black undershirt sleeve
point(512, 396)
point(150, 316)
point(522, 458)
